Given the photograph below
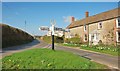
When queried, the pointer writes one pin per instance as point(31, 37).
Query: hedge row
point(57, 39)
point(12, 36)
point(74, 40)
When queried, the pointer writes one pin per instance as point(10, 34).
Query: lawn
point(103, 49)
point(112, 50)
point(48, 59)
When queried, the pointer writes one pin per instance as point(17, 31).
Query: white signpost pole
point(53, 26)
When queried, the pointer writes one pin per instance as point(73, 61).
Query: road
point(10, 50)
point(111, 61)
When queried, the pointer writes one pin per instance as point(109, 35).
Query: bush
point(100, 42)
point(57, 39)
point(47, 39)
point(74, 40)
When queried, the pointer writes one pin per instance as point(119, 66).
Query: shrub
point(47, 39)
point(100, 42)
point(57, 39)
point(74, 40)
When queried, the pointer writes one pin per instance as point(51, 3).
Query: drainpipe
point(88, 36)
point(115, 41)
point(87, 15)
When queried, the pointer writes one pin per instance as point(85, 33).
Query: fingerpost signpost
point(52, 29)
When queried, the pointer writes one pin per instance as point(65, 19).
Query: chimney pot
point(87, 14)
point(73, 19)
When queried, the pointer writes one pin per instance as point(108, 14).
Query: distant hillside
point(12, 36)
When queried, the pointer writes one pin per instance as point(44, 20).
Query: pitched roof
point(96, 18)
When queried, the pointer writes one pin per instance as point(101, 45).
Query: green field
point(48, 59)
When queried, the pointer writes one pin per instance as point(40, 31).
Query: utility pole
point(25, 25)
point(88, 34)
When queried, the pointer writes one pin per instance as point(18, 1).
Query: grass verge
point(48, 59)
point(111, 50)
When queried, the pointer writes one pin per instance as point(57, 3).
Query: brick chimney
point(87, 14)
point(72, 19)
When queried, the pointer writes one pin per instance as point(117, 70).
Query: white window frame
point(86, 37)
point(85, 27)
point(89, 37)
point(117, 36)
point(117, 23)
point(99, 25)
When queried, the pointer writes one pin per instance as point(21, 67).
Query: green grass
point(48, 59)
point(102, 49)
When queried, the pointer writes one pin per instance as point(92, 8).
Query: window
point(118, 36)
point(92, 36)
point(85, 37)
point(85, 28)
point(100, 25)
point(119, 22)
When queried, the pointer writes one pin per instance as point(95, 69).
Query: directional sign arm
point(44, 28)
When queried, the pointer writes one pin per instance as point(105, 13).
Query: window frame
point(100, 26)
point(118, 36)
point(85, 27)
point(118, 22)
point(85, 37)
